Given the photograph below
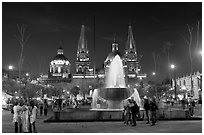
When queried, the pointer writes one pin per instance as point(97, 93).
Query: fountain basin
point(114, 94)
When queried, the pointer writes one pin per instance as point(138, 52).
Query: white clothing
point(25, 118)
point(16, 113)
point(33, 115)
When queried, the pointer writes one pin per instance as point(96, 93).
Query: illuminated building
point(59, 66)
point(82, 63)
point(184, 85)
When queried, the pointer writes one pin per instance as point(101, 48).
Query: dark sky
point(154, 25)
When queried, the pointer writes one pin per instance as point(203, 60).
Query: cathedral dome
point(60, 57)
point(112, 54)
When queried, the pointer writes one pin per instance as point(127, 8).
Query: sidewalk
point(106, 127)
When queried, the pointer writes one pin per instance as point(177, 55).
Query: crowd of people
point(132, 111)
point(24, 117)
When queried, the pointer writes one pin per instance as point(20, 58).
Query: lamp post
point(10, 67)
point(154, 74)
point(173, 68)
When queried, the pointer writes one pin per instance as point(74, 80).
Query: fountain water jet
point(115, 92)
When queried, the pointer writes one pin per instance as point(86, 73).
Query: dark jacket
point(146, 104)
point(153, 106)
point(135, 108)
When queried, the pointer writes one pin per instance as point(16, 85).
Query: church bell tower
point(83, 62)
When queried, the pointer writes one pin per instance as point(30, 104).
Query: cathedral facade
point(60, 66)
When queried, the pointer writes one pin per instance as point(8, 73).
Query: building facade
point(83, 61)
point(85, 76)
point(190, 85)
point(59, 66)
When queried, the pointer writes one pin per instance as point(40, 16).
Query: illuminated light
point(100, 75)
point(153, 73)
point(172, 66)
point(78, 76)
point(89, 76)
point(38, 98)
point(15, 92)
point(27, 74)
point(10, 67)
point(183, 88)
point(131, 75)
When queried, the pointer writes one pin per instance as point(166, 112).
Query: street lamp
point(154, 74)
point(173, 68)
point(10, 67)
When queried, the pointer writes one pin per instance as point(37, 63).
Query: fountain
point(115, 92)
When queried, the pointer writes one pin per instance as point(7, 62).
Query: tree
point(22, 38)
point(166, 81)
point(29, 91)
point(75, 90)
point(155, 57)
point(9, 86)
point(166, 49)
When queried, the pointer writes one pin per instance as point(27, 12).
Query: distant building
point(191, 86)
point(59, 66)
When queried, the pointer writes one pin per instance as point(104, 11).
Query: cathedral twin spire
point(82, 64)
point(82, 44)
point(130, 44)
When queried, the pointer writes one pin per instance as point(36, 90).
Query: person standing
point(17, 117)
point(127, 113)
point(45, 108)
point(25, 115)
point(146, 107)
point(33, 115)
point(41, 109)
point(134, 111)
point(153, 107)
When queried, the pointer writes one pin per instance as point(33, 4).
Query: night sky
point(53, 24)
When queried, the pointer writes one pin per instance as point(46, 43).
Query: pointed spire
point(130, 45)
point(82, 42)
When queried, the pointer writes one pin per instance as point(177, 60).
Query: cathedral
point(60, 66)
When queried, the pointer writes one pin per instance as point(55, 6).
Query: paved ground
point(185, 126)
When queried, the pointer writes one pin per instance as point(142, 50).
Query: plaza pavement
point(185, 126)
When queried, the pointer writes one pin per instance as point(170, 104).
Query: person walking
point(153, 107)
point(146, 107)
point(25, 115)
point(33, 115)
